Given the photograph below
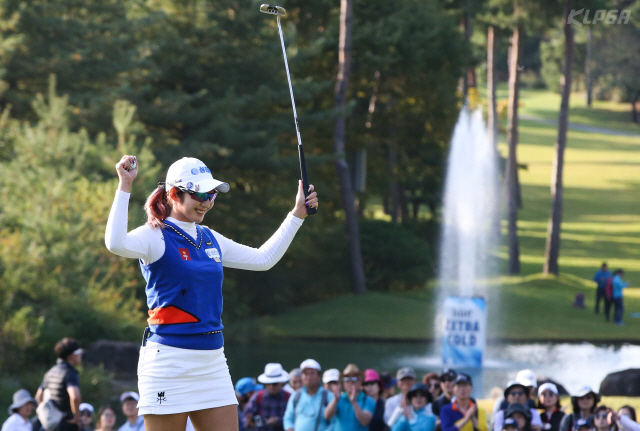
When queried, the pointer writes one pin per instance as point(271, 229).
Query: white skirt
point(173, 380)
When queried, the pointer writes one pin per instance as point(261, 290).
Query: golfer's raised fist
point(127, 169)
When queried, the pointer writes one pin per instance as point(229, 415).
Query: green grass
point(601, 221)
point(545, 104)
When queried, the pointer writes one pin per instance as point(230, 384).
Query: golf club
point(280, 11)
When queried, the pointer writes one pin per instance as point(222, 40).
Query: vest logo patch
point(184, 253)
point(213, 254)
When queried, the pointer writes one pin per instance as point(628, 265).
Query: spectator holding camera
point(266, 408)
point(353, 409)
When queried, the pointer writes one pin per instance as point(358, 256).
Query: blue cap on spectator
point(463, 378)
point(247, 384)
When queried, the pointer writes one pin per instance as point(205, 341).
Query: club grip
point(305, 180)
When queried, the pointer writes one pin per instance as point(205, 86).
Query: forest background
point(84, 82)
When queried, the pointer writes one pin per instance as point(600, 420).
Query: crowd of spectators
point(308, 399)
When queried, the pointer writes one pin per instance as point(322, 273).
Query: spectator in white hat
point(266, 408)
point(86, 417)
point(305, 409)
point(129, 401)
point(584, 403)
point(331, 380)
point(549, 402)
point(22, 407)
point(529, 379)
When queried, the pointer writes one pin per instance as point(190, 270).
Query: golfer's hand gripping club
point(280, 11)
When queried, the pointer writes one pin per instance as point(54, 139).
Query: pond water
point(572, 365)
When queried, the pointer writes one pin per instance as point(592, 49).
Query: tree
point(511, 175)
point(615, 65)
point(56, 276)
point(344, 177)
point(552, 248)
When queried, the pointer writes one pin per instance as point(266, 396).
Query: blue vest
point(184, 291)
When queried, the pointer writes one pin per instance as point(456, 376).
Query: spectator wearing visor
point(266, 408)
point(415, 415)
point(432, 381)
point(374, 388)
point(406, 379)
point(584, 404)
point(447, 379)
point(129, 401)
point(519, 413)
point(549, 402)
point(62, 384)
point(463, 414)
point(517, 393)
point(22, 407)
point(306, 407)
point(86, 417)
point(245, 388)
point(353, 409)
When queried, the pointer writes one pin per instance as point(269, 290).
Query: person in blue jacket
point(618, 285)
point(601, 278)
point(416, 416)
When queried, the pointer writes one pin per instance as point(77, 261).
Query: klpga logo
point(601, 15)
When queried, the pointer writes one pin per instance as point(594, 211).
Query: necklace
point(186, 237)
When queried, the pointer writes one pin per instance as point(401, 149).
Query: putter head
point(273, 10)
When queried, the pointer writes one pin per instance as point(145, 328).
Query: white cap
point(547, 387)
point(331, 375)
point(527, 378)
point(273, 373)
point(192, 174)
point(86, 406)
point(310, 363)
point(129, 394)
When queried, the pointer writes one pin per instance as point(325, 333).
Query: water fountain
point(469, 232)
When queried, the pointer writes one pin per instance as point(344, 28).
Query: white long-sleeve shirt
point(147, 243)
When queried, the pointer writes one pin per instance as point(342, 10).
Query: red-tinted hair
point(158, 206)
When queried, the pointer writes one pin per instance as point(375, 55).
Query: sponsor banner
point(465, 331)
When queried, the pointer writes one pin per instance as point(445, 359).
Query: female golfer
point(182, 370)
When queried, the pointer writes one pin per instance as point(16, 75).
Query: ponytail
point(158, 206)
